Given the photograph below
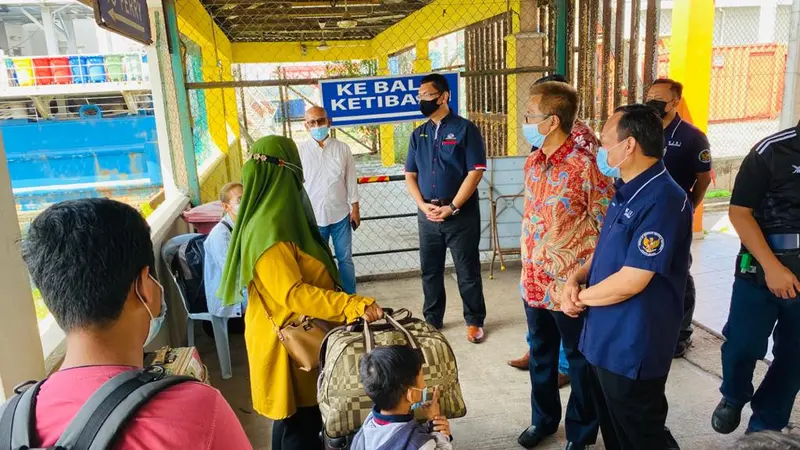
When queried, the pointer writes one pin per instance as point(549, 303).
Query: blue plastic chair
point(219, 324)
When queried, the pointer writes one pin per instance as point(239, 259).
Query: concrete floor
point(497, 395)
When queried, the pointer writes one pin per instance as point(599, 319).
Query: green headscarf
point(275, 208)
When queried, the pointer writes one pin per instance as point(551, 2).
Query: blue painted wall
point(49, 156)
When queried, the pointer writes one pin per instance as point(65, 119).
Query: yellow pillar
point(512, 122)
point(422, 63)
point(386, 131)
point(690, 63)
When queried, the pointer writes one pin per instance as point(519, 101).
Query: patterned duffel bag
point(342, 400)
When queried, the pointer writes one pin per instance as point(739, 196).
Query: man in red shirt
point(585, 139)
point(93, 262)
point(566, 198)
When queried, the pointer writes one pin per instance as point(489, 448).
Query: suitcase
point(342, 400)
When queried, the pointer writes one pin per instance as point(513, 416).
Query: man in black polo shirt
point(446, 160)
point(765, 211)
point(687, 156)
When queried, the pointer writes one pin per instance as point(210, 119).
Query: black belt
point(784, 241)
point(439, 201)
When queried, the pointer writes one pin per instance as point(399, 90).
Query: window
point(76, 115)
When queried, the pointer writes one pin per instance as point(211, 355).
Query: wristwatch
point(455, 210)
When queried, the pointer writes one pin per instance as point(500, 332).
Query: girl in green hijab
point(277, 253)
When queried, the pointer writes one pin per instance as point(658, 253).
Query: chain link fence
point(750, 48)
point(253, 68)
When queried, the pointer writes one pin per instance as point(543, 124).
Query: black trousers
point(688, 308)
point(299, 431)
point(461, 234)
point(632, 412)
point(547, 330)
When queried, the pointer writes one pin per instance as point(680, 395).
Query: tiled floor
point(714, 258)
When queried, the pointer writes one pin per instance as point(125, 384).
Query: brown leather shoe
point(521, 363)
point(563, 380)
point(475, 334)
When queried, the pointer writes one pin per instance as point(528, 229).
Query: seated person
point(216, 245)
point(93, 263)
point(392, 378)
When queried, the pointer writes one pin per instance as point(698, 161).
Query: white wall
point(85, 36)
point(736, 22)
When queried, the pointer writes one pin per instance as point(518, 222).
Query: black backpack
point(99, 421)
point(188, 269)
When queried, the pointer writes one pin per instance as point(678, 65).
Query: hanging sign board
point(376, 100)
point(129, 18)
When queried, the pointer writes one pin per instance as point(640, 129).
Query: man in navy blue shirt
point(635, 284)
point(688, 160)
point(446, 161)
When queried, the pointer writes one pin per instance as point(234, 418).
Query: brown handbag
point(302, 339)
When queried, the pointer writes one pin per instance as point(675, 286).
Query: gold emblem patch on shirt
point(705, 156)
point(651, 243)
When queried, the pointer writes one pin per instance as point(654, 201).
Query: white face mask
point(155, 322)
point(235, 208)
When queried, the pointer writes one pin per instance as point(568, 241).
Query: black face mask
point(428, 107)
point(658, 105)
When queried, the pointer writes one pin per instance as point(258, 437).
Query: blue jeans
point(563, 364)
point(753, 315)
point(342, 235)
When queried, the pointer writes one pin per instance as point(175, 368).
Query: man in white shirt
point(216, 246)
point(330, 180)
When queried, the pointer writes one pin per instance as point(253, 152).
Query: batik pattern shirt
point(566, 198)
point(584, 137)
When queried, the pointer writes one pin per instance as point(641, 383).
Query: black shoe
point(436, 325)
point(574, 446)
point(726, 417)
point(532, 437)
point(682, 348)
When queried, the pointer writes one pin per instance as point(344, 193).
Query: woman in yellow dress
point(277, 252)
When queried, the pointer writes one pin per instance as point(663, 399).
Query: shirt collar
point(629, 190)
point(445, 120)
point(669, 132)
point(391, 418)
point(558, 156)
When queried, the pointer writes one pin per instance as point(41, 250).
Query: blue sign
point(375, 100)
point(129, 18)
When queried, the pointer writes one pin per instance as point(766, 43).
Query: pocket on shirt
point(449, 148)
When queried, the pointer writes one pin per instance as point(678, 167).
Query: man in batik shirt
point(584, 139)
point(566, 198)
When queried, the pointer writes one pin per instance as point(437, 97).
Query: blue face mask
point(320, 133)
point(533, 135)
point(155, 322)
point(422, 401)
point(602, 162)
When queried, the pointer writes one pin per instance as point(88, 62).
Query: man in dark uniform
point(765, 211)
point(446, 161)
point(635, 284)
point(687, 156)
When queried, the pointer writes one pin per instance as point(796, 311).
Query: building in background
point(76, 110)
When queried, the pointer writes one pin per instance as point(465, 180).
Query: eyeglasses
point(428, 97)
point(530, 117)
point(318, 122)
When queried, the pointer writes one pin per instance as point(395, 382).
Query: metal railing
point(384, 179)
